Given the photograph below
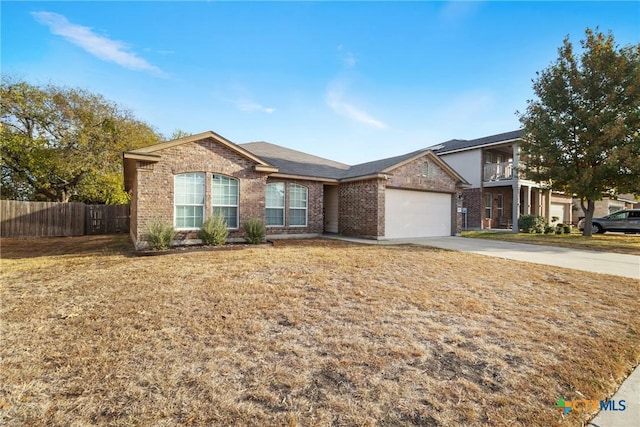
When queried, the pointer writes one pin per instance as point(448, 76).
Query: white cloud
point(99, 46)
point(250, 106)
point(455, 11)
point(335, 100)
point(347, 57)
point(241, 97)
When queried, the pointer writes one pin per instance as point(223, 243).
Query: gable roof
point(299, 164)
point(454, 145)
point(149, 153)
point(285, 162)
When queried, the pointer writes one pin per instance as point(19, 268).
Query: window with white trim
point(298, 198)
point(274, 205)
point(224, 199)
point(487, 205)
point(188, 200)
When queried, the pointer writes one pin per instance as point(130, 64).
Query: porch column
point(515, 207)
point(539, 205)
point(526, 208)
point(516, 161)
point(547, 205)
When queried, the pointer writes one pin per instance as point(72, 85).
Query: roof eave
point(303, 177)
point(365, 177)
point(475, 147)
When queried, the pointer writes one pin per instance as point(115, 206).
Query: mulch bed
point(201, 248)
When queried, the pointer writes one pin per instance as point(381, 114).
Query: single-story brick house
point(184, 181)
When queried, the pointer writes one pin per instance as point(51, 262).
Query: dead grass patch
point(307, 333)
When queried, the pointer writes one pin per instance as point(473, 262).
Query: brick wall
point(315, 198)
point(153, 192)
point(412, 176)
point(507, 211)
point(473, 201)
point(361, 208)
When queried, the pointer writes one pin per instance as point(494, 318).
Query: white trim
point(283, 207)
point(306, 208)
point(175, 205)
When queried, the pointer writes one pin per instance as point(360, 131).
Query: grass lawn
point(309, 333)
point(619, 243)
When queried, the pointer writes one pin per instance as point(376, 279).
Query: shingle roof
point(294, 162)
point(298, 163)
point(466, 144)
point(377, 166)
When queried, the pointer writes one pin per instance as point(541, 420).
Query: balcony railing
point(499, 171)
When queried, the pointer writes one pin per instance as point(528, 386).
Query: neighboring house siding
point(314, 208)
point(468, 164)
point(155, 184)
point(361, 211)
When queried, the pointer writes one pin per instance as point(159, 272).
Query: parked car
point(627, 221)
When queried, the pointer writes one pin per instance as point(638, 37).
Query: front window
point(487, 206)
point(297, 205)
point(500, 205)
point(224, 199)
point(275, 204)
point(188, 200)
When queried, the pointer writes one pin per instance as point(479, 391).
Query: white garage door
point(557, 209)
point(416, 214)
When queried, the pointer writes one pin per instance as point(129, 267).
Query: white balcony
point(500, 171)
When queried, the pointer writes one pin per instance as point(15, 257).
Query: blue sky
point(351, 81)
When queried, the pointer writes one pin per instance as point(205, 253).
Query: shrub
point(532, 224)
point(559, 228)
point(566, 228)
point(548, 229)
point(255, 230)
point(160, 235)
point(214, 231)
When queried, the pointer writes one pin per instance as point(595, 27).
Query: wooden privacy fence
point(49, 219)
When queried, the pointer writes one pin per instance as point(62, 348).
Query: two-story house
point(499, 193)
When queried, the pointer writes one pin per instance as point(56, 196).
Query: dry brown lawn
point(308, 333)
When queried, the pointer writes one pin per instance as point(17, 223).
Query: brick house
point(499, 194)
point(184, 181)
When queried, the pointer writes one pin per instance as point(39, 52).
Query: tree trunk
point(588, 217)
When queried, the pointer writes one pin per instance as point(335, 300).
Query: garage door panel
point(556, 210)
point(417, 214)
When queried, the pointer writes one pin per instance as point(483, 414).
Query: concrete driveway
point(623, 265)
point(596, 262)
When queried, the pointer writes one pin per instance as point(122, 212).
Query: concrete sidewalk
point(629, 391)
point(591, 261)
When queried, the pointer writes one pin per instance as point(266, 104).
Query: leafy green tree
point(582, 133)
point(64, 144)
point(179, 133)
